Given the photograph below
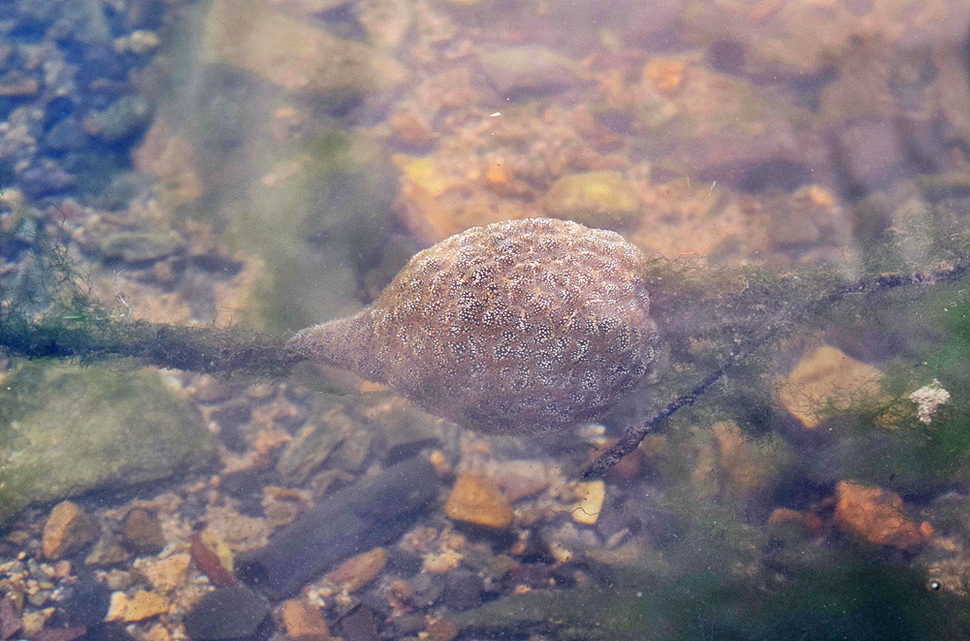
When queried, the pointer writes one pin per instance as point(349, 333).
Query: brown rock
point(876, 515)
point(67, 530)
point(476, 499)
point(823, 375)
point(303, 623)
point(214, 558)
point(442, 629)
point(356, 572)
point(143, 532)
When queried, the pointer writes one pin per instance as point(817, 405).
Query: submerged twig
point(768, 329)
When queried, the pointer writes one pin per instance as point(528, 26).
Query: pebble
point(213, 557)
point(66, 531)
point(441, 629)
point(165, 575)
point(137, 608)
point(599, 199)
point(140, 247)
point(528, 71)
point(664, 74)
point(477, 499)
point(587, 509)
point(226, 613)
point(877, 516)
point(826, 374)
point(303, 622)
point(360, 625)
point(357, 571)
point(143, 532)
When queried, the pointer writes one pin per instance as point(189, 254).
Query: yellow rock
point(144, 605)
point(601, 199)
point(588, 509)
point(477, 499)
point(827, 374)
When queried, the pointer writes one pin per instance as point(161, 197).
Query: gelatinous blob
point(518, 327)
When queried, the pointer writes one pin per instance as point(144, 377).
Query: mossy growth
point(46, 311)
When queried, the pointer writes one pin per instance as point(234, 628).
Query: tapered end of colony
point(345, 342)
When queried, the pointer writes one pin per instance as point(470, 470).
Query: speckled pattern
point(518, 327)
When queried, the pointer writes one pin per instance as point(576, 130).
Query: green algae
point(66, 430)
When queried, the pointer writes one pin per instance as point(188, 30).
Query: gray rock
point(66, 430)
point(43, 179)
point(226, 613)
point(373, 512)
point(125, 118)
point(140, 247)
point(528, 71)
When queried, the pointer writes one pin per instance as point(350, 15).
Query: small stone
point(67, 530)
point(587, 509)
point(123, 119)
point(143, 532)
point(140, 247)
point(214, 558)
point(107, 551)
point(144, 605)
point(477, 499)
point(521, 73)
point(226, 613)
point(357, 571)
point(600, 199)
point(876, 515)
point(165, 575)
point(825, 375)
point(442, 629)
point(664, 74)
point(302, 622)
point(360, 625)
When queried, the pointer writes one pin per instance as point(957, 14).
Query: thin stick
point(632, 437)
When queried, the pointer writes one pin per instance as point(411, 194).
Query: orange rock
point(67, 530)
point(783, 516)
point(476, 499)
point(664, 74)
point(876, 515)
point(356, 572)
point(303, 623)
point(441, 629)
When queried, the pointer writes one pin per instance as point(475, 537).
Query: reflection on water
point(275, 163)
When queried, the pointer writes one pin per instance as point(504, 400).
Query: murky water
point(795, 172)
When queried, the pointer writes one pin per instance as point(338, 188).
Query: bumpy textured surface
point(518, 327)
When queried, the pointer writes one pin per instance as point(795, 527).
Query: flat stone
point(226, 613)
point(140, 247)
point(66, 430)
point(67, 530)
point(144, 605)
point(303, 622)
point(358, 571)
point(529, 71)
point(477, 499)
point(826, 374)
point(294, 55)
point(372, 512)
point(877, 516)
